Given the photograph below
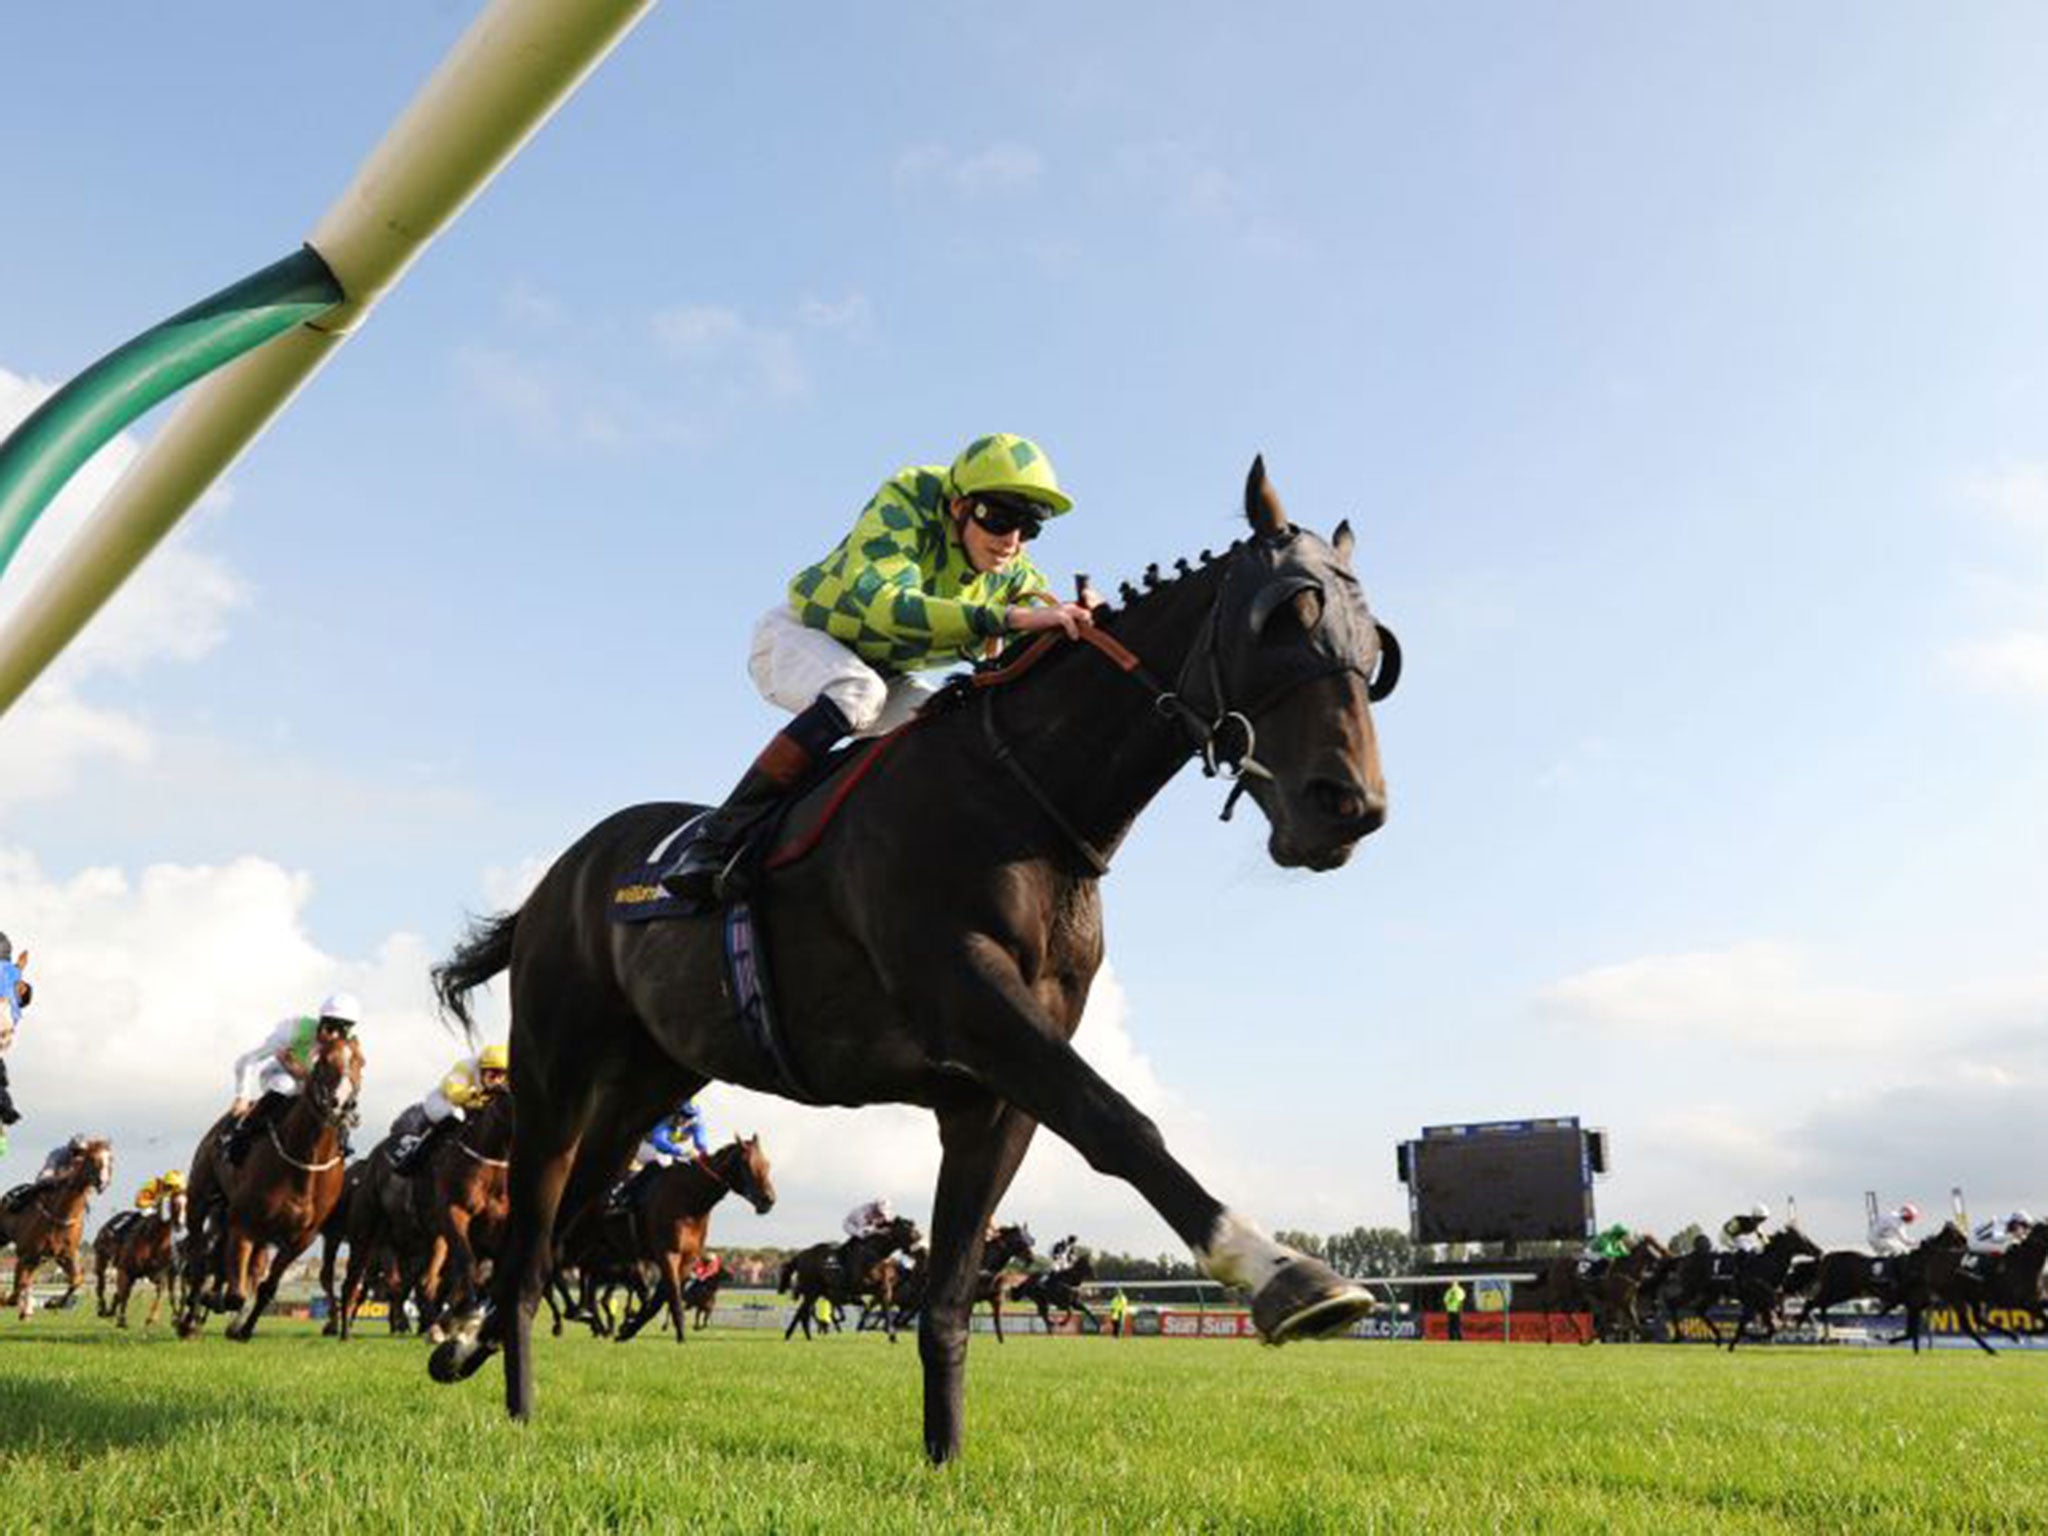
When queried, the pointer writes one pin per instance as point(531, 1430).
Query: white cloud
point(50, 734)
point(1757, 995)
point(148, 988)
point(748, 360)
point(2014, 662)
point(852, 317)
point(2013, 658)
point(1001, 167)
point(175, 606)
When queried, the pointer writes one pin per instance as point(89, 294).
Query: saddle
point(119, 1225)
point(17, 1197)
point(1977, 1266)
point(787, 834)
point(1726, 1267)
point(1592, 1269)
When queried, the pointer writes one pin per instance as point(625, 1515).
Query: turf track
point(740, 1432)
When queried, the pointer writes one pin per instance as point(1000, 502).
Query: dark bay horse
point(1977, 1284)
point(860, 1269)
point(105, 1244)
point(148, 1250)
point(428, 1230)
point(1761, 1280)
point(939, 947)
point(1004, 1247)
point(674, 1217)
point(48, 1227)
point(1609, 1290)
point(253, 1220)
point(1061, 1288)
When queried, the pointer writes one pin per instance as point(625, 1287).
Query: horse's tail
point(485, 951)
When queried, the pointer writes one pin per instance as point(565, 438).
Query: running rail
point(259, 340)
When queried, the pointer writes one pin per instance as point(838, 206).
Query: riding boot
point(700, 874)
point(411, 1159)
point(245, 1129)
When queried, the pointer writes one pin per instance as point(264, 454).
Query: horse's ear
point(1342, 541)
point(1262, 507)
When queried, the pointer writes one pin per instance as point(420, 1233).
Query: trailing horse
point(247, 1223)
point(860, 1269)
point(672, 1218)
point(47, 1228)
point(939, 947)
point(148, 1250)
point(1061, 1288)
point(1005, 1246)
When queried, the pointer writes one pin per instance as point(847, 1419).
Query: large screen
point(1511, 1181)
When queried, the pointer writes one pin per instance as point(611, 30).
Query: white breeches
point(794, 666)
point(259, 1073)
point(1890, 1245)
point(436, 1107)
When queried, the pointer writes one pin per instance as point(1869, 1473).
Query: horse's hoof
point(1306, 1299)
point(458, 1359)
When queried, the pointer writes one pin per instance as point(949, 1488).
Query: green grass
point(740, 1432)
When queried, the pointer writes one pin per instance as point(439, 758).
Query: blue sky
point(1682, 375)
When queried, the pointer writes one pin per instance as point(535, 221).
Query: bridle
point(1220, 734)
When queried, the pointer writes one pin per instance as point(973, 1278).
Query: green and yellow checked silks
point(898, 590)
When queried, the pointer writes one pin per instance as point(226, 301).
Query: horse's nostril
point(1341, 802)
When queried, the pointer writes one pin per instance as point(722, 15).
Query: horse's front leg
point(1000, 1035)
point(984, 1141)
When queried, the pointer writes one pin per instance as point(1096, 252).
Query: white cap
point(342, 1005)
point(1760, 1211)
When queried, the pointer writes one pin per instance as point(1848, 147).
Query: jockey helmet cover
point(174, 1180)
point(341, 1006)
point(1007, 464)
point(493, 1058)
point(1760, 1211)
point(1909, 1212)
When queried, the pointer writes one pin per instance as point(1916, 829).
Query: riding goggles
point(1004, 516)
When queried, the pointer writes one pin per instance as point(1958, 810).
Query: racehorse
point(674, 1214)
point(105, 1244)
point(942, 951)
point(700, 1295)
point(1760, 1280)
point(426, 1228)
point(48, 1227)
point(846, 1272)
point(1976, 1283)
point(1608, 1290)
point(148, 1250)
point(1005, 1246)
point(253, 1220)
point(1059, 1288)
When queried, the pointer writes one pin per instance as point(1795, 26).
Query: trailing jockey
point(1744, 1230)
point(933, 573)
point(1888, 1239)
point(867, 1220)
point(469, 1085)
point(268, 1078)
point(1998, 1233)
point(16, 993)
point(57, 1167)
point(1603, 1248)
point(677, 1137)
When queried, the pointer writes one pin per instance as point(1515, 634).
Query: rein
point(278, 1147)
point(471, 1152)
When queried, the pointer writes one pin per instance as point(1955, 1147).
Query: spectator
point(1119, 1311)
point(1454, 1312)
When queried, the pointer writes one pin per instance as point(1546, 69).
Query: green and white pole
point(256, 342)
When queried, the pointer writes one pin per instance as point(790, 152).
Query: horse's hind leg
point(985, 1141)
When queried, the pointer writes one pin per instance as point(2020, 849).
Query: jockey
point(867, 1220)
point(470, 1084)
point(17, 994)
point(706, 1268)
point(1743, 1230)
point(56, 1167)
point(159, 1189)
point(1888, 1239)
point(269, 1077)
point(1065, 1251)
point(1999, 1233)
point(677, 1137)
point(933, 572)
point(1609, 1244)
